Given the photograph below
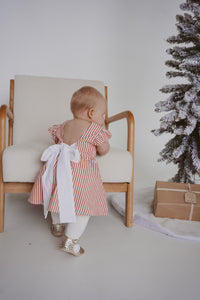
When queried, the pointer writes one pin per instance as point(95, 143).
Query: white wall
point(121, 42)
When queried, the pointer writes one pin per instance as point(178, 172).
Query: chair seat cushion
point(21, 163)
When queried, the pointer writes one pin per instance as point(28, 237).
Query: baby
point(69, 184)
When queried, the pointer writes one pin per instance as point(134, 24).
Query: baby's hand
point(103, 149)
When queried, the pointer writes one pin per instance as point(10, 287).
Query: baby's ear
point(90, 113)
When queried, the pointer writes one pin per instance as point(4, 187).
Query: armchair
point(38, 102)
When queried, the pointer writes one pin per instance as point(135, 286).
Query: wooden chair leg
point(2, 201)
point(129, 206)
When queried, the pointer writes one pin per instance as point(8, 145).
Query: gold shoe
point(68, 245)
point(58, 229)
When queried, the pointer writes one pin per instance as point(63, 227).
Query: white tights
point(73, 230)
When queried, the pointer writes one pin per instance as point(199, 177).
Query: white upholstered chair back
point(40, 102)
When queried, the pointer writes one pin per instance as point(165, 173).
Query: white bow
point(64, 179)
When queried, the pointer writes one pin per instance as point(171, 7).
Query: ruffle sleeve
point(102, 136)
point(56, 132)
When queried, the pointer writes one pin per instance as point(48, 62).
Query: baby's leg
point(55, 218)
point(72, 233)
point(57, 229)
point(75, 230)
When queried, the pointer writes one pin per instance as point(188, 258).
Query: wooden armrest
point(125, 114)
point(130, 124)
point(4, 112)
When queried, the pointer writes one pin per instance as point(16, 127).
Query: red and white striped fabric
point(89, 194)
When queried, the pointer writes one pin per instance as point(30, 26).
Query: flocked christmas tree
point(183, 103)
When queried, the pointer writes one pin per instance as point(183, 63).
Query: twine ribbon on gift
point(64, 154)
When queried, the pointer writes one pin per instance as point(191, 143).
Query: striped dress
point(88, 191)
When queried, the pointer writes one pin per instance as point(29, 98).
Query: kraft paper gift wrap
point(177, 200)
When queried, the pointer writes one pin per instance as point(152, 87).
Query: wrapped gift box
point(177, 200)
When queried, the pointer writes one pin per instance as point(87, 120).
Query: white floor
point(120, 263)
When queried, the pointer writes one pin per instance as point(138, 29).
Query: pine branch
point(191, 64)
point(182, 88)
point(191, 125)
point(195, 108)
point(167, 152)
point(190, 95)
point(157, 132)
point(169, 118)
point(182, 52)
point(193, 6)
point(173, 64)
point(168, 104)
point(171, 74)
point(195, 156)
point(181, 148)
point(183, 108)
point(185, 22)
point(178, 39)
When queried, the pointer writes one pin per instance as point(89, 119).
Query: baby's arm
point(103, 149)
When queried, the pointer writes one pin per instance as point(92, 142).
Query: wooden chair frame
point(19, 187)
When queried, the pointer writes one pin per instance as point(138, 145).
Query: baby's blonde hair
point(85, 98)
